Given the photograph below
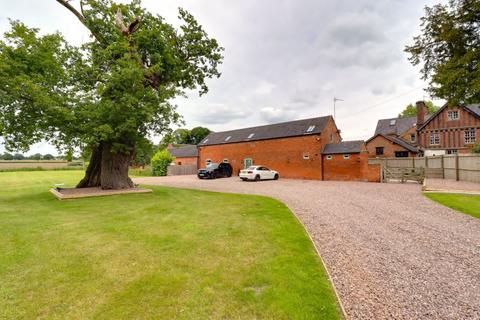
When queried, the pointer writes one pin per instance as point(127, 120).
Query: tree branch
point(79, 16)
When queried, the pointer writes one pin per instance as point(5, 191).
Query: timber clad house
point(450, 130)
point(297, 149)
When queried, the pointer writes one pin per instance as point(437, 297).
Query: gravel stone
point(391, 252)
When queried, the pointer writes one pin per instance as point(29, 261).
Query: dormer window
point(393, 122)
point(250, 136)
point(310, 129)
point(228, 138)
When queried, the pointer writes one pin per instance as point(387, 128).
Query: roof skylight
point(393, 122)
point(205, 141)
point(228, 138)
point(250, 136)
point(310, 129)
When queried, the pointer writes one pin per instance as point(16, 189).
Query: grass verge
point(469, 204)
point(171, 254)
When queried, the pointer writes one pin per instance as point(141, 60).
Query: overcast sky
point(284, 59)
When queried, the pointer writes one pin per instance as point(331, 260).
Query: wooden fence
point(181, 170)
point(462, 167)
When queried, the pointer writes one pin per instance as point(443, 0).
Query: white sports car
point(258, 173)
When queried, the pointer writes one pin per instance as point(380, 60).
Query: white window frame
point(245, 162)
point(453, 115)
point(434, 138)
point(311, 128)
point(393, 122)
point(452, 151)
point(413, 137)
point(228, 138)
point(470, 136)
point(329, 157)
point(205, 141)
point(208, 161)
point(225, 160)
point(250, 136)
point(346, 156)
point(306, 156)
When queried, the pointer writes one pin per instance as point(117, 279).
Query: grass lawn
point(469, 204)
point(172, 254)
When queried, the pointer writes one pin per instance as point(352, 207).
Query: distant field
point(171, 254)
point(6, 165)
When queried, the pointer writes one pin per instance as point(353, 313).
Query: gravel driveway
point(391, 252)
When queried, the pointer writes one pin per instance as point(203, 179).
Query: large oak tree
point(448, 49)
point(108, 94)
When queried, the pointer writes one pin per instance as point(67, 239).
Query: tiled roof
point(271, 131)
point(396, 140)
point(184, 151)
point(475, 108)
point(395, 126)
point(344, 147)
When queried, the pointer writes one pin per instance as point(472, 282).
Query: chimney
point(422, 111)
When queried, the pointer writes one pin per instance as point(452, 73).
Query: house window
point(228, 138)
point(401, 154)
point(346, 156)
point(329, 157)
point(247, 162)
point(379, 151)
point(250, 136)
point(453, 115)
point(393, 122)
point(434, 138)
point(470, 135)
point(208, 161)
point(179, 163)
point(225, 160)
point(310, 129)
point(413, 137)
point(306, 156)
point(452, 151)
point(331, 138)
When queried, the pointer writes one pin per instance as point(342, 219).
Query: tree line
point(36, 156)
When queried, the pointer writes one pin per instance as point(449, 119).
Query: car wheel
point(244, 179)
point(276, 177)
point(257, 177)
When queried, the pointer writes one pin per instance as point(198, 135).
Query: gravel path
point(391, 252)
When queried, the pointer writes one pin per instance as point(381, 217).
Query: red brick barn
point(348, 161)
point(185, 154)
point(291, 148)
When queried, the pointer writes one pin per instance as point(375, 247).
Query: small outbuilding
point(348, 161)
point(185, 154)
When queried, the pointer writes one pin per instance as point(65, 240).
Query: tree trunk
point(107, 169)
point(114, 172)
point(92, 175)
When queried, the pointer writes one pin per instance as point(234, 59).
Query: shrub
point(160, 162)
point(476, 148)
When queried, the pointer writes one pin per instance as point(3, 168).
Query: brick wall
point(389, 147)
point(285, 155)
point(186, 160)
point(356, 168)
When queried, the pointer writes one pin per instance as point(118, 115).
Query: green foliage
point(18, 156)
point(197, 134)
point(411, 110)
point(476, 148)
point(48, 156)
point(143, 152)
point(160, 161)
point(36, 156)
point(185, 136)
point(115, 89)
point(449, 50)
point(6, 156)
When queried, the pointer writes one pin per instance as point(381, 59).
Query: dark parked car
point(215, 170)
